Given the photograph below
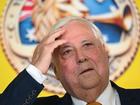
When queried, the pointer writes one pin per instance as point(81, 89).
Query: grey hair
point(68, 19)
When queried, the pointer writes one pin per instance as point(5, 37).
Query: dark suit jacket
point(24, 90)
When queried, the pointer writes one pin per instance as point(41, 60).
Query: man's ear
point(55, 71)
point(106, 49)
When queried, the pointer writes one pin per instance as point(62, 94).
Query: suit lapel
point(66, 100)
point(124, 96)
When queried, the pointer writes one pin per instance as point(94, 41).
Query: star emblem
point(30, 35)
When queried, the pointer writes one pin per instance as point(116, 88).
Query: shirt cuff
point(36, 74)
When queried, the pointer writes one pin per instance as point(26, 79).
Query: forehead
point(76, 29)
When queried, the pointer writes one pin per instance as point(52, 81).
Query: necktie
point(94, 103)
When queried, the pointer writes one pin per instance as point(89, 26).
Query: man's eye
point(66, 52)
point(88, 44)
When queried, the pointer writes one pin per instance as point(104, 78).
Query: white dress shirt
point(36, 74)
point(108, 97)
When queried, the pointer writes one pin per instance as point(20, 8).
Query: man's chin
point(88, 84)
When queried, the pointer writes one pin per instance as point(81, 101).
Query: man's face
point(82, 62)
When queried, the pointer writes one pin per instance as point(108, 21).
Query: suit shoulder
point(51, 100)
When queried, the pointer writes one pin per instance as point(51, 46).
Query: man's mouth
point(86, 70)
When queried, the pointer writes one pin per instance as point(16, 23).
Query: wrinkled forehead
point(78, 28)
point(77, 23)
point(68, 20)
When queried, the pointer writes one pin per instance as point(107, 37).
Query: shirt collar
point(106, 98)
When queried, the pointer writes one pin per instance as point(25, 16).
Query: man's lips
point(86, 70)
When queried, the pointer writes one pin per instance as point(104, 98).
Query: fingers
point(54, 35)
point(56, 43)
point(43, 53)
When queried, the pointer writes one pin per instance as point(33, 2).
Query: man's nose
point(82, 60)
point(81, 57)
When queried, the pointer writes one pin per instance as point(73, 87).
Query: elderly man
point(78, 54)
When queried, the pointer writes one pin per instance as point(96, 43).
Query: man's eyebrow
point(65, 46)
point(86, 41)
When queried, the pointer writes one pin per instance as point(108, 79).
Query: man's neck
point(107, 96)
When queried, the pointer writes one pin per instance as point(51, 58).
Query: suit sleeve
point(23, 90)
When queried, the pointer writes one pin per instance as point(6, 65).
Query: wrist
point(36, 73)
